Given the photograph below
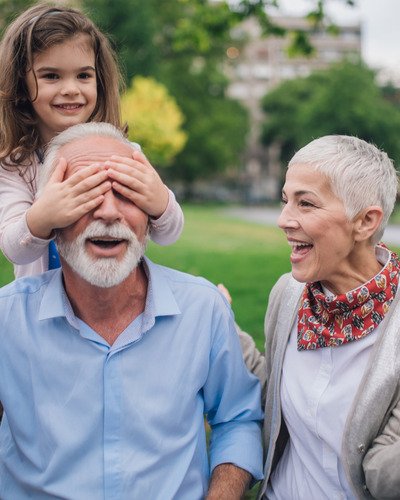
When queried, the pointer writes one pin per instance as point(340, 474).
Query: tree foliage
point(182, 44)
point(154, 120)
point(344, 99)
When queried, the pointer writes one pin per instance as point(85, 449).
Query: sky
point(379, 23)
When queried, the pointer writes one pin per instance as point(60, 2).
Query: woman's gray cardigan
point(377, 396)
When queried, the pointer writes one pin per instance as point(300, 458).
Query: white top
point(317, 390)
point(30, 254)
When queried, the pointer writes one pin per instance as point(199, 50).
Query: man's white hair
point(360, 174)
point(71, 134)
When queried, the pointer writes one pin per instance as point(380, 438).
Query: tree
point(154, 120)
point(344, 99)
point(131, 26)
point(182, 44)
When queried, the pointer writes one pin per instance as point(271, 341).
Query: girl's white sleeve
point(168, 227)
point(16, 241)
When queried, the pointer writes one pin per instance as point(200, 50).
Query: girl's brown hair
point(35, 30)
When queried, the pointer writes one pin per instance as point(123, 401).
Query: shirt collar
point(52, 304)
point(160, 293)
point(160, 300)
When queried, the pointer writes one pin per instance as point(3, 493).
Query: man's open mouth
point(105, 243)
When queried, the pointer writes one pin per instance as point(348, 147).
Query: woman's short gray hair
point(360, 174)
point(71, 134)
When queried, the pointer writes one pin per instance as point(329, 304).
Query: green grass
point(247, 258)
point(6, 271)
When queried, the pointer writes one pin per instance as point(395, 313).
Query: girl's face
point(64, 92)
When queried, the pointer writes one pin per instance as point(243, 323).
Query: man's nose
point(108, 210)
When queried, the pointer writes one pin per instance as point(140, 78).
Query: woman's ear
point(367, 222)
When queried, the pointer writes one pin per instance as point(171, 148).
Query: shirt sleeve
point(168, 227)
point(232, 401)
point(16, 241)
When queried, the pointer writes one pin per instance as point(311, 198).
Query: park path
point(268, 216)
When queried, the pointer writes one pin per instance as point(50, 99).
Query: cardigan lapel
point(375, 397)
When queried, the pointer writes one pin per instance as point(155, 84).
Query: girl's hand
point(138, 181)
point(63, 202)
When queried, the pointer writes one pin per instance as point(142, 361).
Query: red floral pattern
point(330, 321)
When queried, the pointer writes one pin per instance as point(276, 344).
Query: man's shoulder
point(183, 280)
point(26, 286)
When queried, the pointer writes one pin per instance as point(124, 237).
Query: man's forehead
point(93, 149)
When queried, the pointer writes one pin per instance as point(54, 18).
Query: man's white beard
point(103, 272)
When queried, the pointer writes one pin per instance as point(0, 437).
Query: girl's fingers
point(87, 178)
point(59, 171)
point(88, 206)
point(136, 184)
point(121, 162)
point(80, 205)
point(128, 193)
point(141, 158)
point(88, 194)
point(132, 170)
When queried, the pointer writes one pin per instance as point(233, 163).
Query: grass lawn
point(247, 258)
point(6, 271)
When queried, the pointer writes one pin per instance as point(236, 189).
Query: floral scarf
point(330, 321)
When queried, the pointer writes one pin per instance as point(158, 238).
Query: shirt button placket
point(112, 427)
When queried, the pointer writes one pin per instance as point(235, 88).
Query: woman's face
point(317, 229)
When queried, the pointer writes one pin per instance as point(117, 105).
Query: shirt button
point(361, 448)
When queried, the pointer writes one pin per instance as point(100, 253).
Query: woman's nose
point(287, 218)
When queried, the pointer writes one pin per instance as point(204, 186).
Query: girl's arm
point(16, 241)
point(167, 228)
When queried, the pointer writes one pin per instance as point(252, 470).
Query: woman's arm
point(382, 461)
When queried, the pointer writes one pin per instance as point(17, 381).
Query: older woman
point(331, 369)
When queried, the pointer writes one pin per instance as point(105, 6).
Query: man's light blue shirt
point(86, 420)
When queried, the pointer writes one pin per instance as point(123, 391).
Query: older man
point(109, 365)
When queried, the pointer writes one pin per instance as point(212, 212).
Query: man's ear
point(367, 222)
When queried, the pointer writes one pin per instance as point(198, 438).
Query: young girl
point(58, 70)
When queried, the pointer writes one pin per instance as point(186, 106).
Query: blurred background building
point(258, 64)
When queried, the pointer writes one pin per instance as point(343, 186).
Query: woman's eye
point(304, 203)
point(283, 201)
